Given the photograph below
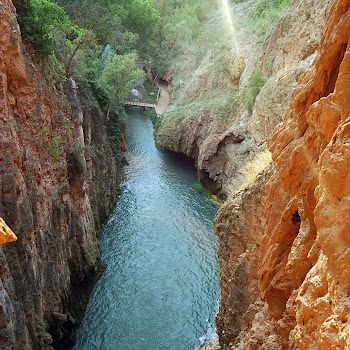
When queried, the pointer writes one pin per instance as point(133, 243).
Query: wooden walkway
point(140, 104)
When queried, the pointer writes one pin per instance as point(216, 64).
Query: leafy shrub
point(264, 7)
point(263, 15)
point(75, 157)
point(91, 151)
point(100, 94)
point(55, 148)
point(116, 130)
point(75, 161)
point(257, 81)
point(38, 20)
point(156, 121)
point(119, 75)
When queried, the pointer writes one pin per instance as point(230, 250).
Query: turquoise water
point(161, 287)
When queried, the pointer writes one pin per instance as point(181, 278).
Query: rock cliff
point(222, 139)
point(284, 241)
point(53, 193)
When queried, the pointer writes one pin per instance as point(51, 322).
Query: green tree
point(263, 8)
point(106, 18)
point(256, 82)
point(118, 76)
point(143, 19)
point(84, 41)
point(38, 20)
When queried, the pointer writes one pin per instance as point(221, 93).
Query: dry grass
point(249, 172)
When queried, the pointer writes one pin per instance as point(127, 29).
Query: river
point(160, 290)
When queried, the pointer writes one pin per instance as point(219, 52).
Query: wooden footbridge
point(160, 106)
point(139, 104)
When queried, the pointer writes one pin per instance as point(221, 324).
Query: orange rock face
point(300, 259)
point(6, 234)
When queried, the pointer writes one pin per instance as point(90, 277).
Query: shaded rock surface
point(284, 241)
point(54, 201)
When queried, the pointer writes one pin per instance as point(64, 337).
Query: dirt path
point(163, 100)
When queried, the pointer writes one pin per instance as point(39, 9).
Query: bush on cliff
point(257, 81)
point(263, 15)
point(116, 131)
point(38, 20)
point(264, 8)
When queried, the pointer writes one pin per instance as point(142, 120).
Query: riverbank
point(211, 345)
point(163, 100)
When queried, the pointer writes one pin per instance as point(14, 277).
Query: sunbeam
point(231, 24)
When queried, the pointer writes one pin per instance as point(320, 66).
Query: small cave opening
point(296, 218)
point(212, 186)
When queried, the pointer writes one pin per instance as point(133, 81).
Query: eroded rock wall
point(294, 245)
point(222, 141)
point(52, 194)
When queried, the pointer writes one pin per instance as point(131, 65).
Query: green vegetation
point(96, 41)
point(126, 25)
point(182, 32)
point(214, 102)
point(156, 121)
point(152, 90)
point(76, 160)
point(257, 81)
point(263, 8)
point(102, 45)
point(196, 39)
point(55, 148)
point(106, 46)
point(202, 48)
point(199, 187)
point(118, 76)
point(38, 20)
point(263, 15)
point(116, 130)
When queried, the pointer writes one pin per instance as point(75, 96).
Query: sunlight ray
point(231, 23)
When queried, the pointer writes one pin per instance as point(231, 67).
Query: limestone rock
point(210, 345)
point(286, 52)
point(297, 257)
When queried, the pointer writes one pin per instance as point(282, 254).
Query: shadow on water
point(161, 287)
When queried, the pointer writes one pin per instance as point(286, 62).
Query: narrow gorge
point(259, 102)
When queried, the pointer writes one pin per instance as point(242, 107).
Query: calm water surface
point(161, 287)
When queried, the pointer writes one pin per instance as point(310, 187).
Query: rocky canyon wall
point(53, 193)
point(222, 140)
point(284, 241)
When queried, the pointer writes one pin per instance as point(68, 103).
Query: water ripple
point(160, 289)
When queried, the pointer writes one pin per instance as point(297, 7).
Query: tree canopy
point(119, 75)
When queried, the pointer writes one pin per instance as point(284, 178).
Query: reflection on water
point(161, 287)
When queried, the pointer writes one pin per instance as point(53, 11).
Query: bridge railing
point(139, 104)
